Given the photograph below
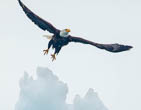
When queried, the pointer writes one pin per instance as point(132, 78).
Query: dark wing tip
point(41, 23)
point(120, 48)
point(125, 47)
point(128, 47)
point(20, 2)
point(115, 48)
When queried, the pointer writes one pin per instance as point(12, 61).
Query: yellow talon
point(53, 57)
point(45, 51)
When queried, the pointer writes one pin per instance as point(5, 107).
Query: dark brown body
point(57, 42)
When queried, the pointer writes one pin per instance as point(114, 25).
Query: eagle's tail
point(48, 36)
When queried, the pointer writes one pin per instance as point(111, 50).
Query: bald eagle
point(61, 38)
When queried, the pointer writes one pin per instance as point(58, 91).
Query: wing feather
point(109, 47)
point(37, 20)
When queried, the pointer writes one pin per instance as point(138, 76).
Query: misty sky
point(116, 77)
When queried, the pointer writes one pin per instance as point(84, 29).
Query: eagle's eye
point(67, 30)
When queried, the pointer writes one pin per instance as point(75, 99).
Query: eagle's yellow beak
point(68, 30)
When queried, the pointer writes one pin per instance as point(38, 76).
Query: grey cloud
point(47, 92)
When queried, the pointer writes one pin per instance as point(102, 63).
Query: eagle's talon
point(53, 57)
point(45, 51)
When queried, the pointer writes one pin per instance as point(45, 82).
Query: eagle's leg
point(47, 50)
point(55, 53)
point(53, 56)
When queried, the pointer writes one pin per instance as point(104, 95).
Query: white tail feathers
point(48, 36)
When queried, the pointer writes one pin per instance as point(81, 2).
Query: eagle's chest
point(60, 41)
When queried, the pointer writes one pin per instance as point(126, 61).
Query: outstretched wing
point(109, 47)
point(37, 20)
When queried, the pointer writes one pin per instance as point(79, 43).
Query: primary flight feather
point(61, 38)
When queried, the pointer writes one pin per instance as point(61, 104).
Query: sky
point(115, 77)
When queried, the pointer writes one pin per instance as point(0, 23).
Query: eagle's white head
point(65, 32)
